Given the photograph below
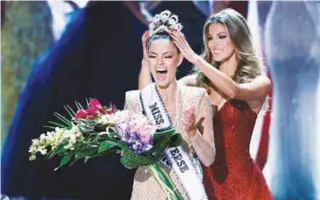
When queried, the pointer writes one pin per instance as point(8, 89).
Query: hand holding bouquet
point(98, 130)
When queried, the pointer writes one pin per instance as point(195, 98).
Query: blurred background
point(55, 52)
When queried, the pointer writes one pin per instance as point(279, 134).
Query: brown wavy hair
point(249, 65)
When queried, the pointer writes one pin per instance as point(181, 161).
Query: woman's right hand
point(144, 39)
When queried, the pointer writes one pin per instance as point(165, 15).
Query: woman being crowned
point(169, 104)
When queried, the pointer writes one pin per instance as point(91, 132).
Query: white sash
point(182, 166)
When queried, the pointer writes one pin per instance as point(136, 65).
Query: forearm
point(144, 75)
point(205, 151)
point(224, 83)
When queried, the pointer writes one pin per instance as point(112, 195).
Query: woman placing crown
point(231, 73)
point(170, 104)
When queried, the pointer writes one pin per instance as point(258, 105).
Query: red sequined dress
point(234, 175)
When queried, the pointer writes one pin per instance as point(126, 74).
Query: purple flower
point(137, 132)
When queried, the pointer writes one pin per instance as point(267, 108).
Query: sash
point(189, 177)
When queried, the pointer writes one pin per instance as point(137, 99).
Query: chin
point(219, 60)
point(163, 85)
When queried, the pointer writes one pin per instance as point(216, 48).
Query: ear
point(180, 59)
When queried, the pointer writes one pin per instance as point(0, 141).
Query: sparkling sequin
point(145, 187)
point(234, 175)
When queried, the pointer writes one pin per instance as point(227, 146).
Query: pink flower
point(94, 109)
point(112, 109)
point(93, 112)
point(95, 103)
point(81, 114)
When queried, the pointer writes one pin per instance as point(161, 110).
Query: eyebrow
point(220, 33)
point(168, 52)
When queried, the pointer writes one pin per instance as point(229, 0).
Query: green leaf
point(62, 119)
point(79, 106)
point(132, 160)
point(86, 159)
point(164, 139)
point(51, 127)
point(59, 149)
point(57, 124)
point(65, 160)
point(83, 154)
point(106, 145)
point(69, 110)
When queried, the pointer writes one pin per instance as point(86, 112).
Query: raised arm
point(198, 122)
point(256, 90)
point(144, 75)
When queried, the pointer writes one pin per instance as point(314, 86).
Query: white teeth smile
point(216, 51)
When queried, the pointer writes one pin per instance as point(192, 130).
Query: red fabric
point(263, 148)
point(234, 175)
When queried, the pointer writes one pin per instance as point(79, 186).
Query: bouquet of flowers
point(98, 130)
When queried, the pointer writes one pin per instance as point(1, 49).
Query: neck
point(229, 66)
point(168, 94)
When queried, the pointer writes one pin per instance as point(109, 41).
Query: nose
point(160, 61)
point(213, 43)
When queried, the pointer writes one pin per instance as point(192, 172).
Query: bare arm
point(256, 90)
point(201, 133)
point(144, 75)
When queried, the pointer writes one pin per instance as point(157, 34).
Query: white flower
point(43, 151)
point(35, 142)
point(42, 136)
point(106, 119)
point(33, 157)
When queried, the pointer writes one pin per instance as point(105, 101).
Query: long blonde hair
point(249, 65)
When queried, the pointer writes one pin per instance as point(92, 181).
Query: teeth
point(216, 50)
point(161, 70)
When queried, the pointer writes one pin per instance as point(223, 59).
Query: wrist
point(192, 133)
point(144, 62)
point(195, 137)
point(196, 59)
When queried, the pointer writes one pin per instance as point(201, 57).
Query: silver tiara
point(160, 19)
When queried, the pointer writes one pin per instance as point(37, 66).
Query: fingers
point(144, 39)
point(188, 122)
point(189, 117)
point(178, 36)
point(190, 108)
point(145, 36)
point(180, 41)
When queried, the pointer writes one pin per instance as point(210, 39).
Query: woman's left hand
point(180, 41)
point(188, 119)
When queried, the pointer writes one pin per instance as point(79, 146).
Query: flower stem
point(165, 181)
